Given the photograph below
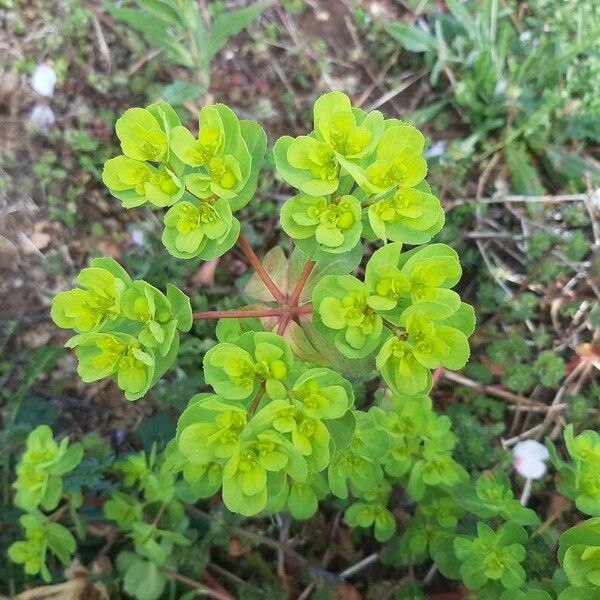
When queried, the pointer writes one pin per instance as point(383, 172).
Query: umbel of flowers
point(279, 428)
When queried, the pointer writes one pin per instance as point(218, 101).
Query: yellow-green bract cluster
point(39, 484)
point(405, 310)
point(359, 175)
point(580, 479)
point(203, 180)
point(126, 329)
point(268, 432)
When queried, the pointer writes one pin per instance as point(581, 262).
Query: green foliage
point(283, 420)
point(126, 329)
point(39, 484)
point(41, 469)
point(579, 554)
point(492, 556)
point(580, 478)
point(512, 76)
point(179, 30)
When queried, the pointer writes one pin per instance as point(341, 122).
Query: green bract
point(200, 229)
point(398, 161)
point(237, 370)
point(101, 355)
point(342, 137)
point(580, 480)
point(129, 329)
point(350, 132)
point(342, 312)
point(96, 302)
point(408, 215)
point(40, 470)
point(579, 555)
point(141, 135)
point(395, 279)
point(493, 556)
point(321, 225)
point(135, 183)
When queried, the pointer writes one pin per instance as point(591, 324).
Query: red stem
point(260, 312)
point(260, 270)
point(308, 267)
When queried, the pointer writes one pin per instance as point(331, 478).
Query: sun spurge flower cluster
point(279, 429)
point(126, 329)
point(359, 175)
point(266, 433)
point(404, 310)
point(201, 178)
point(39, 486)
point(276, 426)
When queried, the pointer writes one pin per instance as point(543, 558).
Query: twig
point(393, 93)
point(491, 389)
point(196, 585)
point(254, 537)
point(359, 566)
point(501, 199)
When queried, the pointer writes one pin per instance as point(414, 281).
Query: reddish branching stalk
point(288, 308)
point(252, 313)
point(260, 270)
point(296, 293)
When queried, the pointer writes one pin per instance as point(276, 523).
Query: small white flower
point(529, 459)
point(435, 150)
point(137, 237)
point(44, 79)
point(41, 117)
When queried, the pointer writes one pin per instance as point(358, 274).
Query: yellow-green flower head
point(96, 301)
point(433, 342)
point(409, 215)
point(343, 313)
point(236, 371)
point(209, 429)
point(360, 461)
point(247, 472)
point(425, 275)
point(198, 152)
point(320, 225)
point(41, 535)
point(135, 182)
point(102, 355)
point(362, 514)
point(223, 178)
point(493, 556)
point(400, 369)
point(350, 132)
point(200, 229)
point(141, 135)
point(219, 133)
point(307, 164)
point(323, 394)
point(398, 160)
point(144, 303)
point(39, 469)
